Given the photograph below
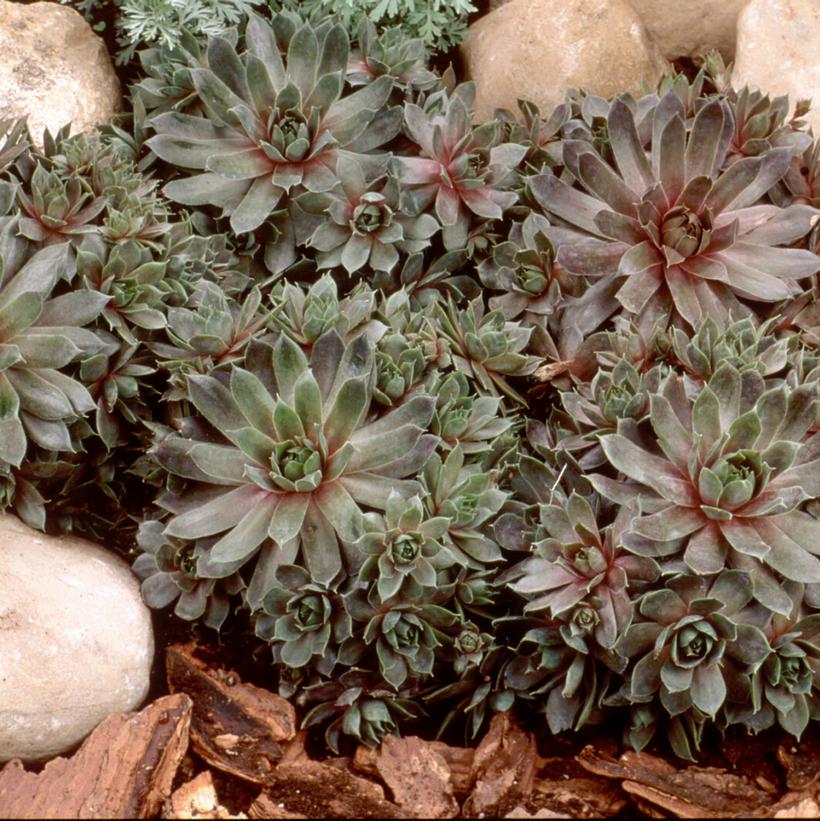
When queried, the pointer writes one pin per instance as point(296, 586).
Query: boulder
point(76, 642)
point(777, 46)
point(54, 70)
point(686, 29)
point(691, 28)
point(536, 49)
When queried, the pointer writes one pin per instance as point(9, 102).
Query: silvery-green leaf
point(708, 688)
point(245, 537)
point(215, 402)
point(338, 507)
point(346, 413)
point(320, 546)
point(221, 513)
point(288, 517)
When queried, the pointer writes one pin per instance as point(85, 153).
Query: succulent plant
point(41, 333)
point(14, 144)
point(534, 289)
point(357, 706)
point(741, 344)
point(596, 408)
point(577, 564)
point(463, 419)
point(272, 128)
point(542, 137)
point(725, 487)
point(389, 53)
point(557, 668)
point(457, 417)
point(303, 620)
point(368, 226)
point(168, 570)
point(760, 124)
point(298, 456)
point(678, 233)
point(404, 549)
point(166, 83)
point(486, 347)
point(214, 333)
point(58, 209)
point(684, 632)
point(461, 169)
point(783, 686)
point(468, 499)
point(404, 636)
point(116, 384)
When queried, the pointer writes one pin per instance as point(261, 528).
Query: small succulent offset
point(461, 169)
point(368, 226)
point(303, 620)
point(681, 637)
point(404, 549)
point(486, 347)
point(578, 565)
point(168, 570)
point(389, 53)
point(404, 636)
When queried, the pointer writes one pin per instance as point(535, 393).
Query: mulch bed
point(218, 747)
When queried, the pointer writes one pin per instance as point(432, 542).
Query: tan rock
point(76, 642)
point(691, 28)
point(54, 69)
point(777, 46)
point(686, 29)
point(536, 49)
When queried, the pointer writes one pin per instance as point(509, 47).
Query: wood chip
point(417, 776)
point(315, 789)
point(581, 797)
point(693, 792)
point(124, 769)
point(503, 769)
point(459, 760)
point(237, 728)
point(197, 799)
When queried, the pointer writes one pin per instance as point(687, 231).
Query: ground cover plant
point(136, 24)
point(452, 417)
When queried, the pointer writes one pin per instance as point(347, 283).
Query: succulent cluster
point(452, 416)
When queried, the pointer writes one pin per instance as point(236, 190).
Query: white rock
point(693, 27)
point(76, 642)
point(778, 43)
point(536, 49)
point(54, 69)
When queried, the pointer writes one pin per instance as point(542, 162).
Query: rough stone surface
point(54, 69)
point(535, 49)
point(76, 642)
point(694, 27)
point(686, 29)
point(777, 46)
